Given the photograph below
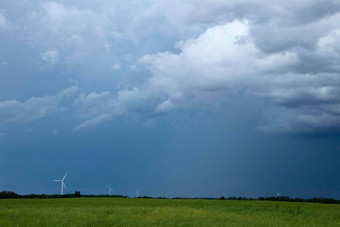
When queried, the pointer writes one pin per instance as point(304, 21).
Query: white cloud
point(50, 56)
point(94, 121)
point(56, 12)
point(15, 112)
point(76, 39)
point(225, 59)
point(76, 34)
point(220, 59)
point(164, 106)
point(115, 67)
point(95, 108)
point(3, 21)
point(330, 43)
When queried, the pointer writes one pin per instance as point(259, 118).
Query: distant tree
point(77, 194)
point(222, 198)
point(9, 195)
point(147, 197)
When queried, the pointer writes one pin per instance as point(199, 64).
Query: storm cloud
point(161, 56)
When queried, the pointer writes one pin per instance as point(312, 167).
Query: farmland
point(164, 212)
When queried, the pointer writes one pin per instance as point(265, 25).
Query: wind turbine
point(110, 190)
point(137, 193)
point(62, 184)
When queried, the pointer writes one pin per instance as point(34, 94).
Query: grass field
point(152, 212)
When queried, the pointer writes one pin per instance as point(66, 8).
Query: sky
point(171, 98)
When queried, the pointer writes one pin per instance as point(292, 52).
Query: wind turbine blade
point(64, 185)
point(65, 176)
point(56, 180)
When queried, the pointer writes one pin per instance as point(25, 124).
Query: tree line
point(77, 194)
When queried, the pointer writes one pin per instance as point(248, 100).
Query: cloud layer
point(224, 59)
point(161, 56)
point(14, 112)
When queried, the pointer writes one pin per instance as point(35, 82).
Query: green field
point(167, 212)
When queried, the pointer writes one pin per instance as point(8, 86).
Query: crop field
point(164, 212)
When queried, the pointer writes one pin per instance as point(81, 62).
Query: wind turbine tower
point(137, 193)
point(62, 184)
point(110, 190)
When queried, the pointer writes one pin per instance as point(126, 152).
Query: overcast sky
point(173, 98)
